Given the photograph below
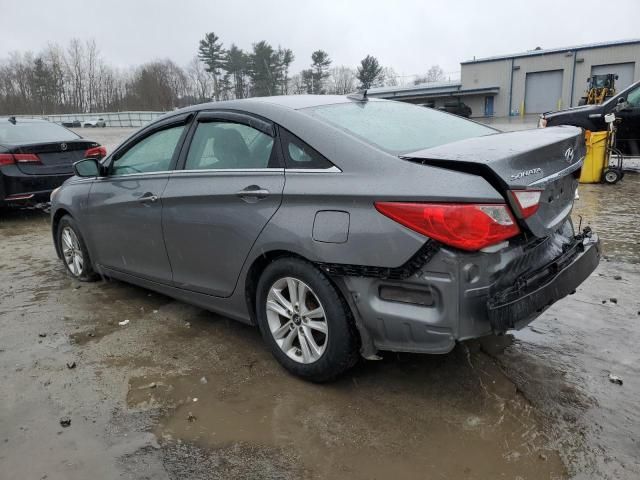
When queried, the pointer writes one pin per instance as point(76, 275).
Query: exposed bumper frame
point(535, 292)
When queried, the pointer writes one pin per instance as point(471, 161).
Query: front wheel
point(305, 321)
point(73, 250)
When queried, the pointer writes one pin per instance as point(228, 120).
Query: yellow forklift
point(599, 89)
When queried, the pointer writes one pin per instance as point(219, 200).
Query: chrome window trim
point(137, 174)
point(332, 169)
point(228, 170)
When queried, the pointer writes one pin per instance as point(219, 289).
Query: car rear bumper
point(17, 187)
point(521, 303)
point(458, 296)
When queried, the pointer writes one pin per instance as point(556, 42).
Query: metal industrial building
point(530, 82)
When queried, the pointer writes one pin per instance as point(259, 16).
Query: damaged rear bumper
point(456, 295)
point(530, 295)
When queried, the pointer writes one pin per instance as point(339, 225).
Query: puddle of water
point(612, 211)
point(409, 416)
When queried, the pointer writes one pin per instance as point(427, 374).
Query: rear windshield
point(398, 127)
point(33, 132)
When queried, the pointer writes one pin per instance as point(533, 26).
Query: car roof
point(289, 102)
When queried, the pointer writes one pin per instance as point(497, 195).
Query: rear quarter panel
point(372, 239)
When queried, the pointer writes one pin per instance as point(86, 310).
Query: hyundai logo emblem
point(63, 146)
point(568, 155)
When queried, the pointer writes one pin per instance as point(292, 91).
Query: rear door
point(229, 187)
point(125, 207)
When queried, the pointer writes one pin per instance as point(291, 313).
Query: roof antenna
point(360, 96)
point(12, 120)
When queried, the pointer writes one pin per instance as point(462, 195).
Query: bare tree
point(74, 61)
point(91, 71)
point(434, 74)
point(199, 81)
point(342, 80)
point(389, 77)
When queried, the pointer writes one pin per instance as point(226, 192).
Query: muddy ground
point(183, 393)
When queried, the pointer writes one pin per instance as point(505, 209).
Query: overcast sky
point(408, 35)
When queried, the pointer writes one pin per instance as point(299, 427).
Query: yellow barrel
point(596, 158)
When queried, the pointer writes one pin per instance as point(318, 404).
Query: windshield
point(33, 132)
point(399, 127)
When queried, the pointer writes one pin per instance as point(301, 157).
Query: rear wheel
point(74, 252)
point(305, 321)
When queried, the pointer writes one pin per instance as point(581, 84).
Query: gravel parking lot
point(183, 393)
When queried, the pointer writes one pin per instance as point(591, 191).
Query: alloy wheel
point(71, 251)
point(297, 320)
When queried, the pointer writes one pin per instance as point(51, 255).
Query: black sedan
point(36, 156)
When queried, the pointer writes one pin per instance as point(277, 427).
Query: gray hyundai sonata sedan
point(340, 226)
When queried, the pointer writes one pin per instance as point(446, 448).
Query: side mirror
point(621, 105)
point(88, 167)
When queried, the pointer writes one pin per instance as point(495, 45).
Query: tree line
point(76, 79)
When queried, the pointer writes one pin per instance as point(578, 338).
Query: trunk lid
point(547, 159)
point(56, 158)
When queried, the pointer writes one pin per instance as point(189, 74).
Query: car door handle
point(253, 193)
point(148, 197)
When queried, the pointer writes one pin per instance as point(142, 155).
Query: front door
point(628, 139)
point(125, 207)
point(217, 205)
point(488, 106)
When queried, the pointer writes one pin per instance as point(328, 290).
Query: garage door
point(543, 91)
point(624, 71)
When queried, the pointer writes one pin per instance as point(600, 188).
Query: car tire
point(73, 250)
point(319, 347)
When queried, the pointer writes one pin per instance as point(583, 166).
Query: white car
point(94, 122)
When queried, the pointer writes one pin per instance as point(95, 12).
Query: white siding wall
point(487, 74)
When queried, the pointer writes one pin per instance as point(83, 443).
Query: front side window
point(151, 154)
point(228, 146)
point(397, 127)
point(633, 97)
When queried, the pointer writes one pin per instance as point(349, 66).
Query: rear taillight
point(465, 226)
point(96, 152)
point(6, 159)
point(528, 201)
point(11, 158)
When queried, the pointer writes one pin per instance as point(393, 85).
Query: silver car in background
point(341, 226)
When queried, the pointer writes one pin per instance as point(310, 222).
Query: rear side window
point(398, 127)
point(228, 146)
point(26, 132)
point(151, 154)
point(300, 155)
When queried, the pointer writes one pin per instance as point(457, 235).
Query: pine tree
point(320, 68)
point(212, 55)
point(369, 71)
